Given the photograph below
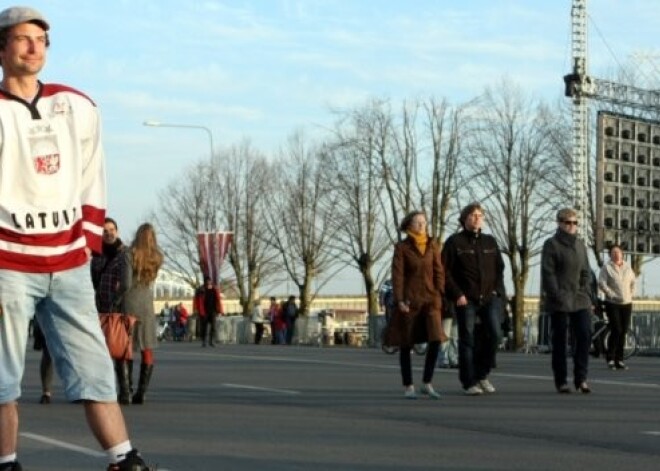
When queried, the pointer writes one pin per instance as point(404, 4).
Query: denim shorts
point(64, 305)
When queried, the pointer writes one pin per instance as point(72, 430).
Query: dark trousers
point(477, 347)
point(258, 332)
point(579, 323)
point(290, 326)
point(618, 316)
point(208, 321)
point(429, 363)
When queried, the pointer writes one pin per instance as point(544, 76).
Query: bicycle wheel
point(420, 348)
point(631, 346)
point(389, 349)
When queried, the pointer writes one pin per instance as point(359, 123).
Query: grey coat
point(138, 300)
point(565, 274)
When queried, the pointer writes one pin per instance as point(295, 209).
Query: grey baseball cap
point(17, 15)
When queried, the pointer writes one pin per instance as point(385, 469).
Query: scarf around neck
point(420, 240)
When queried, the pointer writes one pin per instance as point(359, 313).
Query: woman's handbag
point(118, 331)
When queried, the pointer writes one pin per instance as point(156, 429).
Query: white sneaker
point(409, 393)
point(487, 386)
point(474, 391)
point(427, 390)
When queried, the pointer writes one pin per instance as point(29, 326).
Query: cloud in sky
point(263, 68)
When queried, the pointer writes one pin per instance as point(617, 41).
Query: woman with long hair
point(143, 260)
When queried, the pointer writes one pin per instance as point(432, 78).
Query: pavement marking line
point(652, 432)
point(438, 370)
point(257, 388)
point(69, 446)
point(65, 445)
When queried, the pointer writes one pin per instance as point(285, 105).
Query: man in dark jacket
point(566, 290)
point(474, 282)
point(207, 305)
point(107, 269)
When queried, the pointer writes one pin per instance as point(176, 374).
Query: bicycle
point(601, 336)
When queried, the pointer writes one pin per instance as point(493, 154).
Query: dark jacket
point(199, 301)
point(565, 274)
point(106, 270)
point(474, 267)
point(417, 279)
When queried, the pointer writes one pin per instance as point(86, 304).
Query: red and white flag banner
point(213, 247)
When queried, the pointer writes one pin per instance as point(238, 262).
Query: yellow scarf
point(420, 240)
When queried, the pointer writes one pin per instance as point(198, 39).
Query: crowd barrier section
point(320, 329)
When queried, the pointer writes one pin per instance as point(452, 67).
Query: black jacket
point(473, 267)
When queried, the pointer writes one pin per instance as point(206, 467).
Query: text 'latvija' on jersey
point(52, 180)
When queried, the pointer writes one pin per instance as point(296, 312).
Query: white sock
point(119, 452)
point(7, 459)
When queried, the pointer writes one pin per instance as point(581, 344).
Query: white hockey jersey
point(52, 180)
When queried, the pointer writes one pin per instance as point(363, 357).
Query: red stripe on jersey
point(94, 215)
point(50, 89)
point(37, 264)
point(44, 240)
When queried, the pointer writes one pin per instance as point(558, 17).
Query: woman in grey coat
point(566, 279)
point(143, 260)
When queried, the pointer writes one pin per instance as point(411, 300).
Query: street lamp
point(158, 124)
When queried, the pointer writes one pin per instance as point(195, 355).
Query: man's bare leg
point(106, 421)
point(8, 428)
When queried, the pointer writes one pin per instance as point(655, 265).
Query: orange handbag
point(118, 331)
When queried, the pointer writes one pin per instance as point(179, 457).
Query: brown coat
point(418, 280)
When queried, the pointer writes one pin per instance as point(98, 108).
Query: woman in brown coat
point(418, 282)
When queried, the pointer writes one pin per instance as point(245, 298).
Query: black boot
point(143, 383)
point(124, 395)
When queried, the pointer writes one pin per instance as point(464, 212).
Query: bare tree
point(186, 206)
point(445, 126)
point(242, 181)
point(515, 171)
point(356, 179)
point(299, 215)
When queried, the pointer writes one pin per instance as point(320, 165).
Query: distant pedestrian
point(207, 306)
point(290, 314)
point(258, 321)
point(277, 323)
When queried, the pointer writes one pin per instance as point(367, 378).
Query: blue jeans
point(579, 323)
point(477, 344)
point(64, 306)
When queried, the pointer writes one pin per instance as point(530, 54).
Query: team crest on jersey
point(47, 164)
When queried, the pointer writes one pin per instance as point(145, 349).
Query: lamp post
point(158, 124)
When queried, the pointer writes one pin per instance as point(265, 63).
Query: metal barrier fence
point(646, 324)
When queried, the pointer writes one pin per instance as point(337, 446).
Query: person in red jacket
point(181, 327)
point(207, 305)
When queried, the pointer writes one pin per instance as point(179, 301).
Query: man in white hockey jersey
point(52, 208)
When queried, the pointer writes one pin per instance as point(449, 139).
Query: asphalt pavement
point(266, 407)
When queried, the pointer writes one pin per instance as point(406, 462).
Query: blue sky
point(262, 69)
